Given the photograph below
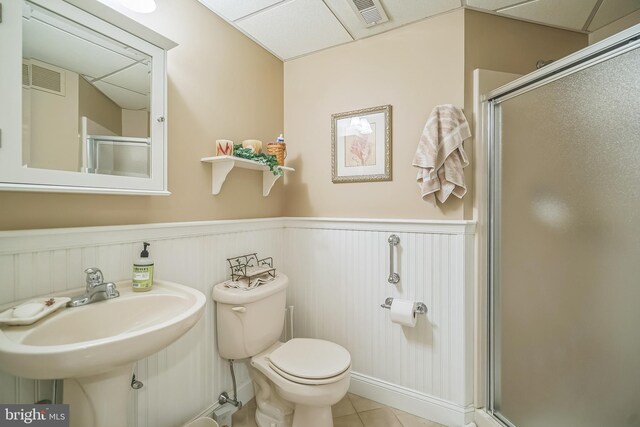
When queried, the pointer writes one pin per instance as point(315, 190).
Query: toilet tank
point(249, 322)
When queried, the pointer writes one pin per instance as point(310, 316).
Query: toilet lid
point(311, 358)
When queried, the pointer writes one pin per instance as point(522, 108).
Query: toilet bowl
point(311, 374)
point(296, 382)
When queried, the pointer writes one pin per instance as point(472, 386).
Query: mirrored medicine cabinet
point(82, 100)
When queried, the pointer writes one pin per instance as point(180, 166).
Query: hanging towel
point(440, 156)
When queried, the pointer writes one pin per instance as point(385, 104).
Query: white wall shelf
point(222, 165)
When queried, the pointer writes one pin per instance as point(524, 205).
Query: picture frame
point(361, 145)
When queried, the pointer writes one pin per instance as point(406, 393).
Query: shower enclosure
point(564, 242)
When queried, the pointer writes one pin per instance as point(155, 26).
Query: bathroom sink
point(94, 347)
point(95, 338)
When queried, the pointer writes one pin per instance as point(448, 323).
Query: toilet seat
point(310, 361)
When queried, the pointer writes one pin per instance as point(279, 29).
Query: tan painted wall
point(135, 123)
point(615, 27)
point(99, 108)
point(53, 130)
point(412, 68)
point(511, 46)
point(221, 85)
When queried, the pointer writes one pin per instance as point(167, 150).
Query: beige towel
point(440, 156)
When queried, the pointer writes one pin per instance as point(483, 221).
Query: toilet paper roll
point(403, 312)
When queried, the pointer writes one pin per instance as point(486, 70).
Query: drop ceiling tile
point(136, 78)
point(611, 10)
point(492, 4)
point(125, 98)
point(236, 9)
point(62, 49)
point(566, 13)
point(295, 28)
point(400, 12)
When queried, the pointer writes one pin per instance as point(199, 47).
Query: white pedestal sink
point(93, 347)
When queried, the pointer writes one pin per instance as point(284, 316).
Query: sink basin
point(97, 337)
point(97, 344)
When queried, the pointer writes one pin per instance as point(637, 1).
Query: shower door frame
point(616, 45)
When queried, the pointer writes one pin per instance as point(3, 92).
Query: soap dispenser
point(143, 271)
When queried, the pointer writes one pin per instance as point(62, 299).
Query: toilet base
point(284, 403)
point(263, 420)
point(271, 410)
point(317, 416)
point(274, 411)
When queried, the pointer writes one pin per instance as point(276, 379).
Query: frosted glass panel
point(568, 309)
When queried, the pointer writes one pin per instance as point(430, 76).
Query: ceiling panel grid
point(400, 12)
point(572, 14)
point(292, 28)
point(233, 10)
point(611, 10)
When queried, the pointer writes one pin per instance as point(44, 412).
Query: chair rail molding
point(336, 264)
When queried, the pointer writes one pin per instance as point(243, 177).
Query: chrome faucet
point(96, 290)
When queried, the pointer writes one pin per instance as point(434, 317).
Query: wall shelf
point(222, 165)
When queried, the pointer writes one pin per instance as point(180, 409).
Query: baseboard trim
point(411, 401)
point(245, 394)
point(483, 419)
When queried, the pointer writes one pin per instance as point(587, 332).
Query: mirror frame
point(102, 19)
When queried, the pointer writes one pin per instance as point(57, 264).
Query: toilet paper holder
point(421, 307)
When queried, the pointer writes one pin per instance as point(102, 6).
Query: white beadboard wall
point(338, 270)
point(186, 377)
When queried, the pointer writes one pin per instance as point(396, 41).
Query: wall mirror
point(86, 112)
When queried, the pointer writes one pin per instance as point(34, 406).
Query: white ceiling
point(121, 73)
point(292, 28)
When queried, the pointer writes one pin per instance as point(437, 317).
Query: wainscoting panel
point(338, 270)
point(186, 377)
point(338, 282)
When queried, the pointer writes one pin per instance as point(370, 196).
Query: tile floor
point(352, 411)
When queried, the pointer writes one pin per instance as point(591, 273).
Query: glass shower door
point(565, 282)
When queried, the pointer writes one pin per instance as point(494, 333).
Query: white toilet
point(295, 382)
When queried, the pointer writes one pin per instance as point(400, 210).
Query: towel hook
point(393, 277)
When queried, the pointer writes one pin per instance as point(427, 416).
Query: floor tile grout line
point(356, 412)
point(396, 415)
point(375, 409)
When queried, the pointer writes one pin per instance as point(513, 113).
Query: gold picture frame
point(361, 145)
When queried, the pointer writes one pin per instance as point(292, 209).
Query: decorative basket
point(278, 149)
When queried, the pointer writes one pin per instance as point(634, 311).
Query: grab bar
point(393, 277)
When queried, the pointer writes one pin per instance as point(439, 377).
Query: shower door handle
point(393, 277)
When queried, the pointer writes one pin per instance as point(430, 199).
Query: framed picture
point(361, 145)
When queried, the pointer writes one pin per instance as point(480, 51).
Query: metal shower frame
point(616, 45)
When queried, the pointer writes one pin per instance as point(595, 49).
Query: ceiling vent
point(370, 12)
point(41, 76)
